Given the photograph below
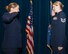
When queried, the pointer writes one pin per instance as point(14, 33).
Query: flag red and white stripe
point(30, 36)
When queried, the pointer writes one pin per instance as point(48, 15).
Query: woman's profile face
point(56, 7)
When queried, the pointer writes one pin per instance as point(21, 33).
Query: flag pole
point(31, 2)
point(50, 14)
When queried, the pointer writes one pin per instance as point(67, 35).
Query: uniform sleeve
point(9, 17)
point(61, 29)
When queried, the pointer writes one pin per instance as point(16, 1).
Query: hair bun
point(7, 8)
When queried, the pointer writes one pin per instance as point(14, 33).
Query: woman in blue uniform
point(12, 41)
point(58, 38)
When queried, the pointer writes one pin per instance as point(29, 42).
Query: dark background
point(41, 15)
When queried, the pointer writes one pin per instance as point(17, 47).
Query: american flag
point(30, 33)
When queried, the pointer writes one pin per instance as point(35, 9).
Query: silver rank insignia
point(54, 18)
point(63, 20)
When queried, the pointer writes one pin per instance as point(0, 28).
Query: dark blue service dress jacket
point(12, 31)
point(58, 37)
